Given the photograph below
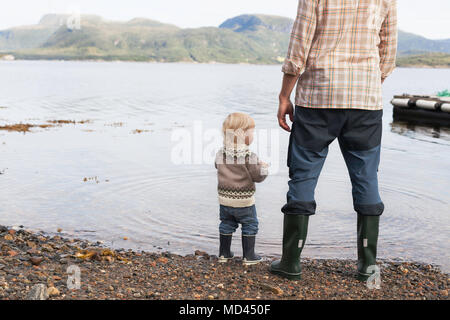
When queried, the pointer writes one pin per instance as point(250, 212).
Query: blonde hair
point(235, 126)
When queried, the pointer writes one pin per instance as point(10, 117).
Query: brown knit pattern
point(236, 193)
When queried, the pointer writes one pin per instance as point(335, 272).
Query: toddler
point(238, 169)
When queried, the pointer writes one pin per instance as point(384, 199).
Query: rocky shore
point(38, 266)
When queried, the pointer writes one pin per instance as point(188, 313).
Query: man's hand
point(285, 108)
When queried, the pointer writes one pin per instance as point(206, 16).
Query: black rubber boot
point(248, 249)
point(295, 229)
point(367, 245)
point(225, 253)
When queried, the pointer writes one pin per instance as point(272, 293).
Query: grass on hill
point(431, 60)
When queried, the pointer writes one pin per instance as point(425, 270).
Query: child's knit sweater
point(237, 170)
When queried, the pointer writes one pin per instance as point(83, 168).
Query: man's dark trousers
point(359, 135)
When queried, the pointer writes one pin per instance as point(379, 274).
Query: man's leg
point(360, 146)
point(312, 132)
point(308, 149)
point(304, 171)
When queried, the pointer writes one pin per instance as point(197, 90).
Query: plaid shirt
point(342, 49)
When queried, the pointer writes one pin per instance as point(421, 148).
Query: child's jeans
point(230, 218)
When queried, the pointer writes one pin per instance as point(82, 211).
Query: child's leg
point(249, 222)
point(227, 227)
point(228, 223)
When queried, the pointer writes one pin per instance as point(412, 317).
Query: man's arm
point(286, 107)
point(299, 46)
point(388, 42)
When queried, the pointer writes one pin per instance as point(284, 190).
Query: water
point(136, 190)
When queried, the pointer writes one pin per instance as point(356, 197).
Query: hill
point(142, 39)
point(242, 39)
point(410, 43)
point(430, 60)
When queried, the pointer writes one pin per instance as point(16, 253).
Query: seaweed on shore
point(68, 121)
point(25, 127)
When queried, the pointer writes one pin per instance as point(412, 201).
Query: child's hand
point(264, 168)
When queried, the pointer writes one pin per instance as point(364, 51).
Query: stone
point(38, 292)
point(35, 261)
point(8, 237)
point(271, 288)
point(47, 247)
point(12, 253)
point(52, 291)
point(163, 260)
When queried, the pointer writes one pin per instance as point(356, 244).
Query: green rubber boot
point(367, 245)
point(295, 228)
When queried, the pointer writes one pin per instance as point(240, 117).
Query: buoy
point(431, 109)
point(426, 104)
point(445, 107)
point(433, 103)
point(400, 102)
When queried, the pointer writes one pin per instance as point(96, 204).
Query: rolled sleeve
point(302, 36)
point(389, 41)
point(290, 67)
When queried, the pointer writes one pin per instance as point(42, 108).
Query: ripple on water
point(191, 223)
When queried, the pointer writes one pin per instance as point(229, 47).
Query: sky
point(429, 18)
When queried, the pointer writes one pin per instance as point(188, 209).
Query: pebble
point(12, 253)
point(163, 260)
point(271, 288)
point(52, 291)
point(35, 261)
point(9, 237)
point(127, 275)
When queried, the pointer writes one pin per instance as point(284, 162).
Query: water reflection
point(418, 129)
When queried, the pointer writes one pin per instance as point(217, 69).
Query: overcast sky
point(430, 18)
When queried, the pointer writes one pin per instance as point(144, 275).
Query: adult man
point(340, 53)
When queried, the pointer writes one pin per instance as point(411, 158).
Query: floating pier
point(427, 109)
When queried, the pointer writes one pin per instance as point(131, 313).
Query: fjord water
point(134, 189)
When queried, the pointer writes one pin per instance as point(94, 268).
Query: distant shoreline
point(402, 65)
